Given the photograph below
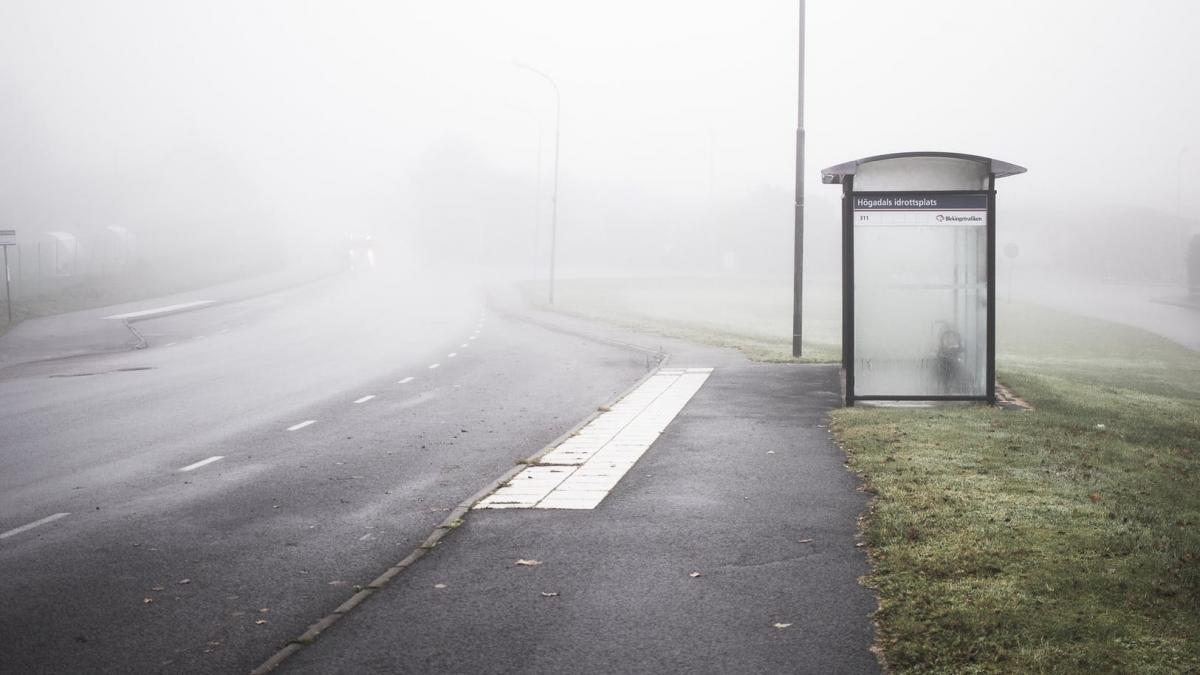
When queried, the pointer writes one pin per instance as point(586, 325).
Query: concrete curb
point(457, 516)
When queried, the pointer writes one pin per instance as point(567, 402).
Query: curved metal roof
point(835, 174)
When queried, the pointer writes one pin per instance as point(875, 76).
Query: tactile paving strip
point(580, 472)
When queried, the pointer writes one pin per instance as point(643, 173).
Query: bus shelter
point(919, 275)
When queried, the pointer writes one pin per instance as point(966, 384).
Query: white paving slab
point(583, 469)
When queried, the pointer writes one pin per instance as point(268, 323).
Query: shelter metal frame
point(848, 328)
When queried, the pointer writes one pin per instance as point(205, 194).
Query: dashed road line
point(296, 427)
point(434, 366)
point(366, 398)
point(406, 380)
point(463, 346)
point(452, 355)
point(30, 526)
point(203, 462)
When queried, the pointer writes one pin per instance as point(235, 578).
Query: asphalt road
point(161, 567)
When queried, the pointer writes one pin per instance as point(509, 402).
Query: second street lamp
point(554, 198)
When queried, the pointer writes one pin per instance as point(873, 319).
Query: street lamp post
point(798, 243)
point(1179, 182)
point(554, 198)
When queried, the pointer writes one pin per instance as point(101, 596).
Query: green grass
point(753, 315)
point(1064, 540)
point(1061, 540)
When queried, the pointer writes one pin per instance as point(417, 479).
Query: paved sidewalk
point(745, 487)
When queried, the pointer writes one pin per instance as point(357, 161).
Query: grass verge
point(752, 315)
point(1066, 539)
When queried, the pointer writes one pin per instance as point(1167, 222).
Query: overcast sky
point(325, 107)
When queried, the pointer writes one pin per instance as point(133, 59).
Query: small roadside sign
point(8, 237)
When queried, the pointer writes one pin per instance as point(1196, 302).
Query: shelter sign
point(920, 209)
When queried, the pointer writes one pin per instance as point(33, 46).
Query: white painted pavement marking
point(463, 346)
point(30, 526)
point(473, 336)
point(203, 462)
point(405, 380)
point(366, 398)
point(582, 470)
point(160, 310)
point(434, 366)
point(301, 425)
point(452, 355)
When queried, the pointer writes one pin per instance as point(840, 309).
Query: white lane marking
point(303, 424)
point(434, 366)
point(452, 355)
point(160, 310)
point(30, 526)
point(405, 380)
point(366, 398)
point(463, 346)
point(169, 344)
point(472, 337)
point(202, 462)
point(584, 469)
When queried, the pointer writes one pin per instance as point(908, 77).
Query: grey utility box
point(919, 275)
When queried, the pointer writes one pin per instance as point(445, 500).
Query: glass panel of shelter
point(920, 306)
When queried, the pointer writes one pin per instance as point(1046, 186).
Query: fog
point(238, 137)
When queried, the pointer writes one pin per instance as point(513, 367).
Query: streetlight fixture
point(554, 198)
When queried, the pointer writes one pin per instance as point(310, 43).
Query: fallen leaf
point(806, 541)
point(859, 545)
point(146, 601)
point(782, 625)
point(264, 610)
point(214, 643)
point(183, 582)
point(439, 585)
point(1095, 497)
point(157, 588)
point(337, 583)
point(550, 594)
point(528, 563)
point(694, 575)
point(770, 452)
point(260, 622)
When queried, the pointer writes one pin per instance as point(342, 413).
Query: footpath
point(107, 329)
point(729, 547)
